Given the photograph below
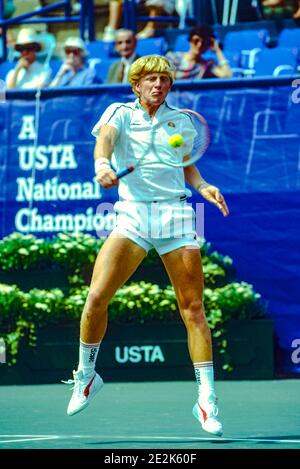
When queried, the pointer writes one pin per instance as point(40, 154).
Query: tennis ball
point(176, 140)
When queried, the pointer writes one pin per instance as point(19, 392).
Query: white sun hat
point(77, 43)
point(28, 36)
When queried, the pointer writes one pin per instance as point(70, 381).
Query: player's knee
point(194, 313)
point(97, 301)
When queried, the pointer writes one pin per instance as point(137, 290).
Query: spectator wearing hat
point(28, 73)
point(125, 44)
point(74, 71)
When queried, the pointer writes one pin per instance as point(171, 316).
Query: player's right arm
point(104, 148)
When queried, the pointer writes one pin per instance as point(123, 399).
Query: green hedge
point(22, 313)
point(75, 254)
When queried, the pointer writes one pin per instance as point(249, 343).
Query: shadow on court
point(255, 415)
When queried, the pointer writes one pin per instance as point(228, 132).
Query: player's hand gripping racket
point(178, 142)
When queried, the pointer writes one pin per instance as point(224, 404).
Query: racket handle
point(124, 172)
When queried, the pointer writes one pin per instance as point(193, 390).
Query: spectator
point(191, 64)
point(74, 71)
point(287, 6)
point(125, 45)
point(28, 73)
point(272, 3)
point(154, 7)
point(114, 20)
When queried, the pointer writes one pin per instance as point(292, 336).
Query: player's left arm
point(208, 191)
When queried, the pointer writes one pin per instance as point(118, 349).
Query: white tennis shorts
point(164, 226)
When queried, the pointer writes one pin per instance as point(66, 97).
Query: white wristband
point(223, 62)
point(202, 185)
point(101, 163)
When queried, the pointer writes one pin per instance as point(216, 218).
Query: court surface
point(150, 415)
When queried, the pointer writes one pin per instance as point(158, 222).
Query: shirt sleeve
point(112, 116)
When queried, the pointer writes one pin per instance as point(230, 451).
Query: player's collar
point(137, 104)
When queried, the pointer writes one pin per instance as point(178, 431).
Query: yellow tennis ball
point(176, 140)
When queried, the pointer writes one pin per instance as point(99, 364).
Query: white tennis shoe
point(84, 391)
point(206, 413)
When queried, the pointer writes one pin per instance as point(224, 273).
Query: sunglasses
point(28, 47)
point(73, 51)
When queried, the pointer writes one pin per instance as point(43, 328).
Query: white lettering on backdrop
point(54, 157)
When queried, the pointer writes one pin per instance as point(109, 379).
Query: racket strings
point(179, 141)
point(201, 139)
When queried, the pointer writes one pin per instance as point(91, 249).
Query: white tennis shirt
point(36, 75)
point(152, 179)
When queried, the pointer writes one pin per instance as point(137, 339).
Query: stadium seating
point(181, 43)
point(234, 58)
point(151, 45)
point(245, 40)
point(101, 67)
point(5, 67)
point(55, 65)
point(289, 38)
point(273, 61)
point(100, 49)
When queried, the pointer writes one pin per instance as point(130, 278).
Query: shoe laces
point(70, 381)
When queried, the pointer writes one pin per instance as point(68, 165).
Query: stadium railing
point(191, 15)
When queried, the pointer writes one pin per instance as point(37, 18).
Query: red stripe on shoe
point(87, 389)
point(204, 414)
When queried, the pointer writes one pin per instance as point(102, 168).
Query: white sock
point(204, 373)
point(87, 357)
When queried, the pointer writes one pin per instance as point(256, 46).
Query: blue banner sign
point(48, 185)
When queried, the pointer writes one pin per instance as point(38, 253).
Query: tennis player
point(123, 130)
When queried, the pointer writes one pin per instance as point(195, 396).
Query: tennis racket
point(179, 142)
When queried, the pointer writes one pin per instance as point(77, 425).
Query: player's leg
point(117, 260)
point(184, 267)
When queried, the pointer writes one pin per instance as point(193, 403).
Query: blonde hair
point(149, 64)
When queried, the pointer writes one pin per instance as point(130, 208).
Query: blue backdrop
point(254, 157)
